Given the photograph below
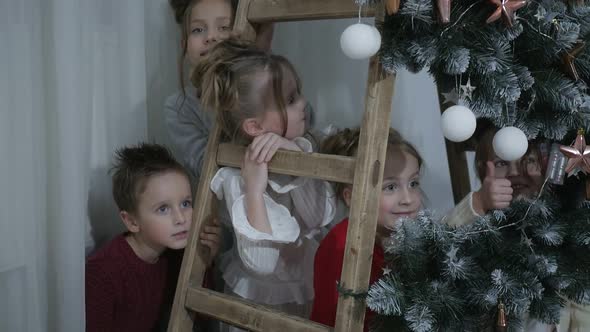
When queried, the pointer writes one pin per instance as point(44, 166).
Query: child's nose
point(212, 36)
point(406, 198)
point(179, 217)
point(513, 168)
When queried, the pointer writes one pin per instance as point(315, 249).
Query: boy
point(128, 280)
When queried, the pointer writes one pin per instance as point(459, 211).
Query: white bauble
point(510, 143)
point(376, 40)
point(458, 123)
point(360, 41)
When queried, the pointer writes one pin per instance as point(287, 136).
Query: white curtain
point(78, 78)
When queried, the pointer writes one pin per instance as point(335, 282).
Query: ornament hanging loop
point(501, 325)
point(360, 8)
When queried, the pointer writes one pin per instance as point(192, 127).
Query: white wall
point(335, 86)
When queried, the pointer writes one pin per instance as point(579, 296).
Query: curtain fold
point(73, 88)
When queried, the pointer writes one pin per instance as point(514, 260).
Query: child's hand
point(264, 147)
point(255, 174)
point(255, 177)
point(495, 193)
point(211, 238)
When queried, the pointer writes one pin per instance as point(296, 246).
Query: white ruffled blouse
point(275, 268)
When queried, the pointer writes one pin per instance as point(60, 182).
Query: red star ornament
point(578, 154)
point(444, 10)
point(506, 8)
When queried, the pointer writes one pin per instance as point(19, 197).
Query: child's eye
point(198, 30)
point(294, 97)
point(162, 209)
point(225, 28)
point(186, 204)
point(415, 184)
point(501, 163)
point(390, 187)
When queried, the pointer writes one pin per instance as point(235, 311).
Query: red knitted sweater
point(124, 293)
point(327, 270)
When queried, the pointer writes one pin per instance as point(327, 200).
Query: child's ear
point(130, 221)
point(347, 195)
point(252, 127)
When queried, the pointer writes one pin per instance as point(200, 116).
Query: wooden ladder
point(363, 171)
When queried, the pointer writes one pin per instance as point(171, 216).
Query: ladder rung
point(315, 165)
point(296, 10)
point(246, 314)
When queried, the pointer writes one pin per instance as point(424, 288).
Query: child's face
point(271, 120)
point(164, 211)
point(210, 23)
point(401, 195)
point(524, 174)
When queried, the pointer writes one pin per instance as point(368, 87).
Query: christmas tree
point(528, 67)
point(530, 258)
point(516, 63)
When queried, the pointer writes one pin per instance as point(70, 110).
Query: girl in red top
point(401, 197)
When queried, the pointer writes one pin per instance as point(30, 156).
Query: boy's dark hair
point(134, 165)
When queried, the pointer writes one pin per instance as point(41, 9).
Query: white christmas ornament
point(376, 40)
point(510, 143)
point(360, 41)
point(458, 123)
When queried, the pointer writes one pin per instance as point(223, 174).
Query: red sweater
point(327, 270)
point(124, 293)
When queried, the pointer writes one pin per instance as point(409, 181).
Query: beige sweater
point(463, 213)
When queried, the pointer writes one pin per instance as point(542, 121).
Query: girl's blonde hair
point(225, 80)
point(345, 143)
point(182, 15)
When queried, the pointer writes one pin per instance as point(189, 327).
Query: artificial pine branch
point(531, 257)
point(517, 70)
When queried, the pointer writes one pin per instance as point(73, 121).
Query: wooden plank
point(366, 194)
point(242, 26)
point(457, 160)
point(245, 314)
point(459, 171)
point(297, 10)
point(193, 262)
point(315, 165)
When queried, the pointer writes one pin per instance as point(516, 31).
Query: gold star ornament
point(578, 154)
point(569, 57)
point(505, 8)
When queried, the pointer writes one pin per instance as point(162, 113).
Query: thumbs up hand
point(495, 193)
